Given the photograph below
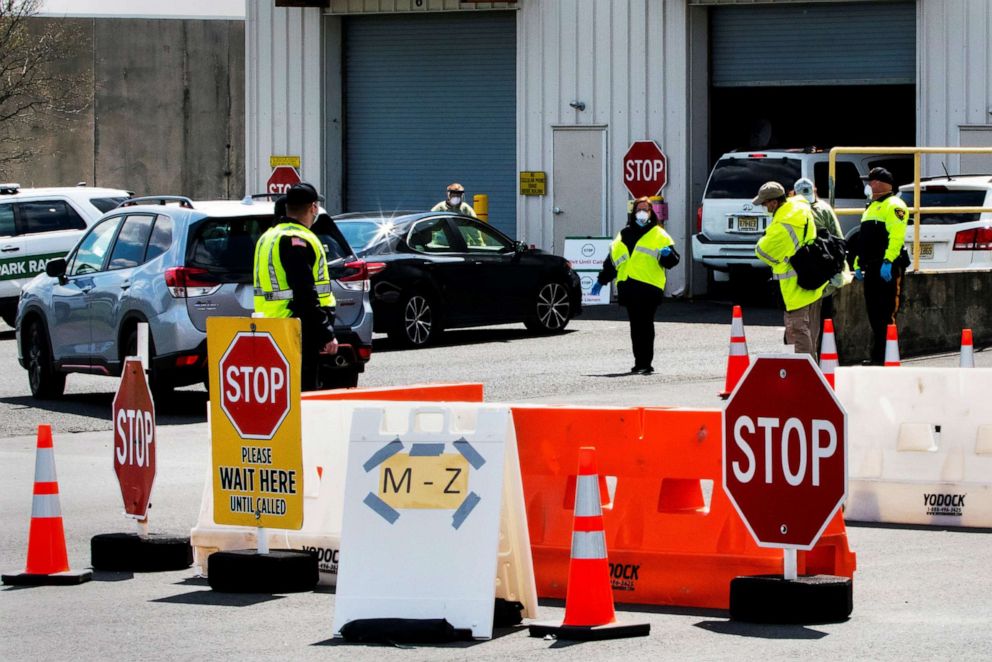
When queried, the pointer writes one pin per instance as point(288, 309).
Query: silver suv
point(38, 224)
point(728, 225)
point(170, 262)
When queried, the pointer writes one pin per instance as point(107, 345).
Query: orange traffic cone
point(589, 598)
point(892, 347)
point(48, 562)
point(828, 352)
point(967, 349)
point(737, 361)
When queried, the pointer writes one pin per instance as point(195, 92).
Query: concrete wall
point(165, 113)
point(935, 307)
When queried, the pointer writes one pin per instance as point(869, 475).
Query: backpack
point(818, 261)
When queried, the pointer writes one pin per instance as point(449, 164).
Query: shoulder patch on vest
point(301, 243)
point(900, 213)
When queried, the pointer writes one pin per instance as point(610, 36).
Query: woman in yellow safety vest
point(638, 258)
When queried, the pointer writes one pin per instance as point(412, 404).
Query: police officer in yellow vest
point(291, 278)
point(792, 226)
point(881, 258)
point(638, 258)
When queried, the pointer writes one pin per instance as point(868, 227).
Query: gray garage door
point(863, 43)
point(431, 100)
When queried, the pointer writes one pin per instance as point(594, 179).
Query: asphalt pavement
point(919, 592)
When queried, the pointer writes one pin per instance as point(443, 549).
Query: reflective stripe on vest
point(643, 264)
point(272, 291)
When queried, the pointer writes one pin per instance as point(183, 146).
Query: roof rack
point(9, 189)
point(157, 199)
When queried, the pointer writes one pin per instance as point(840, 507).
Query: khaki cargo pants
point(802, 328)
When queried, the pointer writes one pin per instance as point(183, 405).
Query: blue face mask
point(642, 218)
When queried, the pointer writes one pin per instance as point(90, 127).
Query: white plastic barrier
point(920, 445)
point(325, 426)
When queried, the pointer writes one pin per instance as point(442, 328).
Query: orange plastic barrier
point(467, 392)
point(665, 545)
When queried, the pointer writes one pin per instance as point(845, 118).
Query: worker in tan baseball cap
point(455, 202)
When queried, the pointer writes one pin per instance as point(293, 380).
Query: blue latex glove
point(886, 271)
point(596, 289)
point(858, 275)
point(666, 251)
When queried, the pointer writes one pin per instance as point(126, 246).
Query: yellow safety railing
point(916, 209)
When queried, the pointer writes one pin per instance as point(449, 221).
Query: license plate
point(748, 223)
point(926, 250)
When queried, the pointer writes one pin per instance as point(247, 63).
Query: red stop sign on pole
point(254, 385)
point(645, 169)
point(134, 439)
point(281, 179)
point(785, 451)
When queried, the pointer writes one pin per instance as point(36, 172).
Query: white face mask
point(868, 192)
point(455, 200)
point(642, 218)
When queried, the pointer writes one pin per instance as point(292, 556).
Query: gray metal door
point(829, 43)
point(579, 184)
point(431, 100)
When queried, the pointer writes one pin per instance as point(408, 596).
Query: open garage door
point(802, 74)
point(431, 100)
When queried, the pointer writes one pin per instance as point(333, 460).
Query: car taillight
point(364, 352)
point(699, 218)
point(187, 282)
point(757, 156)
point(359, 273)
point(975, 239)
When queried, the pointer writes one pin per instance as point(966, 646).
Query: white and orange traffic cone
point(737, 360)
point(828, 352)
point(48, 562)
point(892, 347)
point(589, 610)
point(967, 349)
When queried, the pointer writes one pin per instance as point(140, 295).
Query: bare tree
point(35, 90)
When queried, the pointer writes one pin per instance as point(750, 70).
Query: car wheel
point(160, 386)
point(45, 381)
point(552, 309)
point(418, 324)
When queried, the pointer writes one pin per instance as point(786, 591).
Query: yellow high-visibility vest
point(643, 264)
point(272, 291)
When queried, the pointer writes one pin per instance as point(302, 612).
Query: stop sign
point(645, 169)
point(134, 438)
point(281, 179)
point(785, 451)
point(254, 385)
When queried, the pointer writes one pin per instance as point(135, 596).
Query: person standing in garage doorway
point(454, 201)
point(639, 256)
point(292, 280)
point(881, 258)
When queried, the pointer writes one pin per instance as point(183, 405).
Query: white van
point(728, 225)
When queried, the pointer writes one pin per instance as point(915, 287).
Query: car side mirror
point(56, 268)
point(519, 247)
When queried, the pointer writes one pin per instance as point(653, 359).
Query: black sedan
point(434, 270)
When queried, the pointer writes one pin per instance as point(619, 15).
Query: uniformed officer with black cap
point(881, 258)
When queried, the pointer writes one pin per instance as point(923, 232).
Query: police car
point(38, 224)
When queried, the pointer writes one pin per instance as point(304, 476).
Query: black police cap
point(880, 175)
point(302, 194)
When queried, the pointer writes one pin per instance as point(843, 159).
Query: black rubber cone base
point(804, 600)
point(247, 571)
point(67, 578)
point(617, 630)
point(124, 552)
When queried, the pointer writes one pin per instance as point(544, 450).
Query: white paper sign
point(587, 253)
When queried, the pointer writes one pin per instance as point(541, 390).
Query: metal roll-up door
point(431, 100)
point(858, 43)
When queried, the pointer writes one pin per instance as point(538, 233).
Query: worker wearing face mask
point(638, 258)
point(455, 202)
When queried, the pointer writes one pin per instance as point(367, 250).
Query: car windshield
point(363, 233)
point(741, 178)
point(944, 197)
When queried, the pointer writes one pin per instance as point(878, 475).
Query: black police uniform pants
point(881, 304)
point(641, 316)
